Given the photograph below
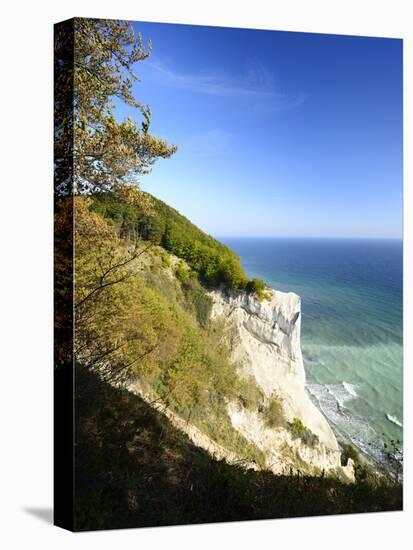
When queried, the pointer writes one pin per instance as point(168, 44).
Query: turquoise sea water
point(352, 326)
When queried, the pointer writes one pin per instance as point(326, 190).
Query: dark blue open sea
point(352, 326)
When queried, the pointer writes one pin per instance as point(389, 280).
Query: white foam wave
point(394, 420)
point(351, 388)
point(333, 394)
point(330, 398)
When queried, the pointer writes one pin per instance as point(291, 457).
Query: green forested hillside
point(213, 261)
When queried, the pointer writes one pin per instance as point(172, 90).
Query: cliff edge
point(265, 343)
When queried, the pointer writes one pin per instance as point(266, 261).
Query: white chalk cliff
point(266, 345)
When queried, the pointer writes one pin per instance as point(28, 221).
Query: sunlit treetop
point(95, 62)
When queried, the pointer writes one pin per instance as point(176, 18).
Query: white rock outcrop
point(266, 345)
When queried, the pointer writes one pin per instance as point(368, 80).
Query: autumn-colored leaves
point(93, 150)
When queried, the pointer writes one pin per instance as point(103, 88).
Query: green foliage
point(214, 262)
point(197, 300)
point(162, 283)
point(104, 152)
point(181, 272)
point(134, 320)
point(349, 451)
point(249, 394)
point(165, 258)
point(150, 325)
point(256, 285)
point(151, 228)
point(134, 469)
point(123, 216)
point(299, 431)
point(274, 412)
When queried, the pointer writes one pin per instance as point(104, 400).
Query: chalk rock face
point(266, 345)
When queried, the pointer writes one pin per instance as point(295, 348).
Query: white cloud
point(258, 83)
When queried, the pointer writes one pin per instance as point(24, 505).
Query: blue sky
point(279, 133)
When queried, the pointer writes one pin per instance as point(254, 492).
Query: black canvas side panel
point(63, 277)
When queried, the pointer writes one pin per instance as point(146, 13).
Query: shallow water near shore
point(352, 327)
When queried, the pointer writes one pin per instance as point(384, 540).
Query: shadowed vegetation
point(133, 468)
point(299, 431)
